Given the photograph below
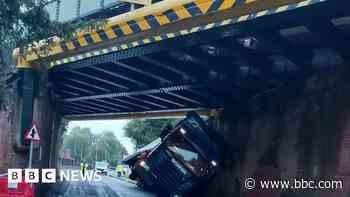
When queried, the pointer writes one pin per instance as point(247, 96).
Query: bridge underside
point(207, 69)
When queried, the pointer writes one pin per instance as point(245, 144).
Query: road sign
point(33, 133)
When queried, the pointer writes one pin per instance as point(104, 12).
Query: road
point(108, 187)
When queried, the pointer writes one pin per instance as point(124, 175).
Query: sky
point(98, 126)
point(69, 7)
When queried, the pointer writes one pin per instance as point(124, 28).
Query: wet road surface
point(108, 187)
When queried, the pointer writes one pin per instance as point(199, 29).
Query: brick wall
point(296, 132)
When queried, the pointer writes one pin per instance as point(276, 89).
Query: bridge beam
point(129, 103)
point(163, 65)
point(146, 102)
point(134, 115)
point(115, 74)
point(84, 84)
point(142, 72)
point(163, 90)
point(113, 84)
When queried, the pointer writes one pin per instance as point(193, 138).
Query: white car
point(101, 167)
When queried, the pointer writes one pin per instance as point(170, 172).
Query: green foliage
point(107, 147)
point(85, 146)
point(78, 142)
point(145, 131)
point(62, 131)
point(21, 22)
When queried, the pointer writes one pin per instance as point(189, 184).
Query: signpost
point(33, 136)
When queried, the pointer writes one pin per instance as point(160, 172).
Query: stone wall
point(294, 132)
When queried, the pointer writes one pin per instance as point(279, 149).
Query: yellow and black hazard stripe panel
point(64, 46)
point(149, 18)
point(157, 38)
point(172, 16)
point(155, 20)
point(152, 21)
point(193, 9)
point(134, 26)
point(88, 38)
point(117, 31)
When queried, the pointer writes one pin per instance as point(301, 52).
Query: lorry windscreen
point(185, 153)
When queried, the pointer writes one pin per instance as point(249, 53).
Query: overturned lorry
point(187, 157)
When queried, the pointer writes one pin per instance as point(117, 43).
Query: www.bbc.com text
point(297, 184)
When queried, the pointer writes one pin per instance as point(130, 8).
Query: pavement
point(108, 187)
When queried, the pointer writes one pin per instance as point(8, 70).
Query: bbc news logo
point(50, 176)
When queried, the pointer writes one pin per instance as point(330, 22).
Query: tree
point(78, 142)
point(85, 146)
point(107, 147)
point(145, 131)
point(21, 22)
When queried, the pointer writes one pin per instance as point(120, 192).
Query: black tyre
point(132, 176)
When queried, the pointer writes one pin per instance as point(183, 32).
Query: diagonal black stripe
point(152, 21)
point(102, 35)
point(64, 46)
point(240, 2)
point(76, 43)
point(172, 16)
point(116, 29)
point(88, 38)
point(192, 9)
point(215, 6)
point(134, 26)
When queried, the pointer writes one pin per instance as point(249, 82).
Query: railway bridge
point(273, 72)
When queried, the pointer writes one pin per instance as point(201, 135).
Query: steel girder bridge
point(174, 56)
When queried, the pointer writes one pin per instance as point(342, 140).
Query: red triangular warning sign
point(33, 133)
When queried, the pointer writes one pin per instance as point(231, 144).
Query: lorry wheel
point(132, 176)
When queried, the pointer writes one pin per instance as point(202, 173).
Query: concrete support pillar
point(21, 117)
point(32, 103)
point(27, 94)
point(48, 118)
point(55, 137)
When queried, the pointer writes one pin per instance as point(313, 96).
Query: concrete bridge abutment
point(33, 103)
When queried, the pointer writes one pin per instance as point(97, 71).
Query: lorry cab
point(186, 158)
